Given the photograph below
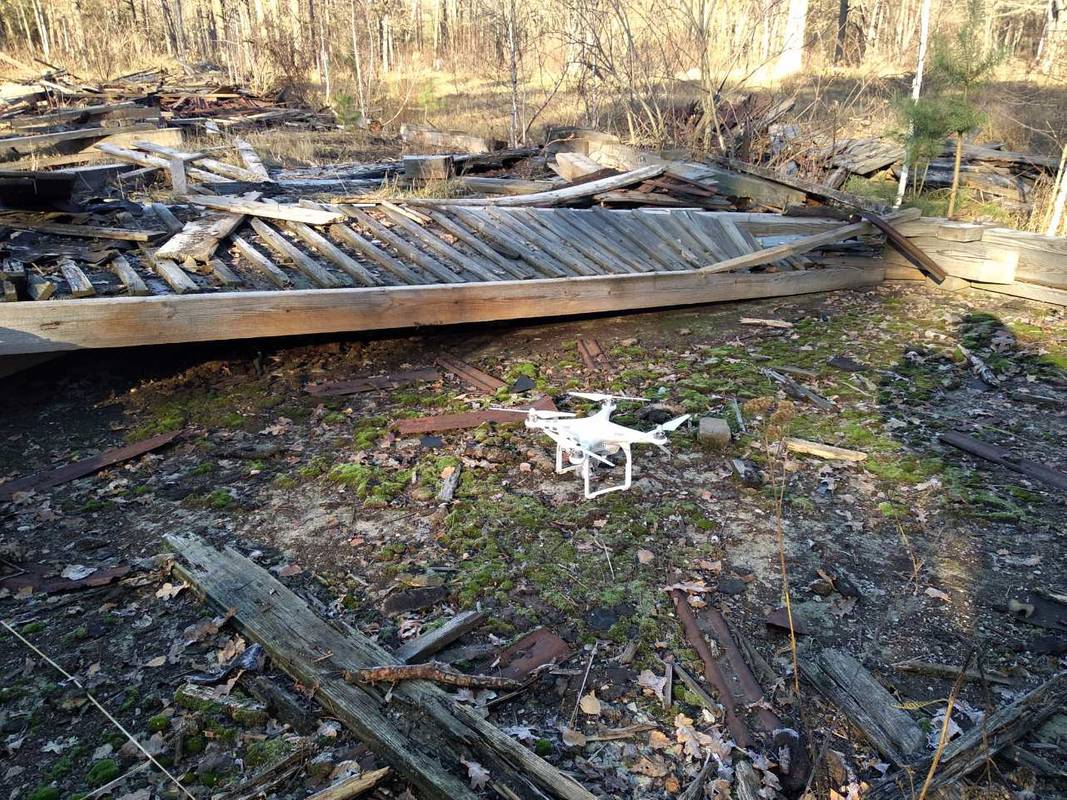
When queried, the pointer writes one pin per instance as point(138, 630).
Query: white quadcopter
point(586, 439)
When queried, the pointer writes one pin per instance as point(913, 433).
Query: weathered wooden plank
point(1029, 291)
point(503, 186)
point(847, 684)
point(405, 248)
point(426, 137)
point(427, 644)
point(79, 283)
point(18, 146)
point(289, 213)
point(223, 273)
point(258, 260)
point(220, 168)
point(39, 287)
point(166, 216)
point(471, 263)
point(125, 321)
point(150, 161)
point(601, 237)
point(556, 196)
point(502, 262)
point(85, 231)
point(174, 276)
point(331, 252)
point(314, 271)
point(585, 254)
point(1042, 259)
point(347, 236)
point(135, 287)
point(43, 481)
point(973, 261)
point(420, 732)
point(251, 158)
point(650, 253)
point(976, 747)
point(477, 219)
point(562, 259)
point(571, 166)
point(10, 293)
point(804, 244)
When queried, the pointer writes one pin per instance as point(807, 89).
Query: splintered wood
point(421, 733)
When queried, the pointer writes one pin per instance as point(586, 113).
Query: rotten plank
point(42, 481)
point(371, 383)
point(469, 419)
point(472, 375)
point(429, 643)
point(998, 455)
point(418, 730)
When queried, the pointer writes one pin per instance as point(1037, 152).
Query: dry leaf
point(158, 661)
point(169, 590)
point(572, 738)
point(659, 740)
point(653, 769)
point(590, 705)
point(932, 592)
point(650, 682)
point(289, 570)
point(77, 572)
point(645, 556)
point(478, 774)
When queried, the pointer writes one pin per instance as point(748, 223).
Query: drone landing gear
point(586, 468)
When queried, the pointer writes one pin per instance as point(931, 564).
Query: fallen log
point(998, 455)
point(419, 731)
point(433, 671)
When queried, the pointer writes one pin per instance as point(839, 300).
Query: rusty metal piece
point(468, 419)
point(472, 375)
point(906, 247)
point(712, 672)
point(370, 383)
point(35, 577)
point(592, 355)
point(535, 649)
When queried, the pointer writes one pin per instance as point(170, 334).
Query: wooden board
point(125, 321)
point(1042, 259)
point(972, 261)
point(419, 730)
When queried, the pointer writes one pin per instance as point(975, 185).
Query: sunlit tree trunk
point(916, 89)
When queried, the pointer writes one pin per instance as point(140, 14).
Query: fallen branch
point(435, 671)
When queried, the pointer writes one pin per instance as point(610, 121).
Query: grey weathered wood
point(9, 292)
point(598, 258)
point(477, 219)
point(502, 262)
point(973, 261)
point(471, 263)
point(655, 226)
point(651, 253)
point(420, 732)
point(976, 747)
point(85, 231)
point(847, 684)
point(15, 147)
point(289, 213)
point(331, 252)
point(150, 161)
point(219, 168)
point(199, 238)
point(164, 215)
point(79, 283)
point(424, 136)
point(570, 166)
point(1041, 259)
point(173, 275)
point(129, 277)
point(566, 262)
point(435, 168)
point(179, 182)
point(224, 274)
point(805, 244)
point(39, 287)
point(421, 647)
point(405, 248)
point(554, 197)
point(598, 242)
point(314, 271)
point(261, 262)
point(253, 162)
point(346, 235)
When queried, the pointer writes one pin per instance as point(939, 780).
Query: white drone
point(584, 440)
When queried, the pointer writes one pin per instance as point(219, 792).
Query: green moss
point(203, 468)
point(44, 793)
point(32, 627)
point(374, 485)
point(892, 510)
point(194, 744)
point(367, 432)
point(94, 504)
point(543, 748)
point(267, 751)
point(238, 406)
point(63, 765)
point(158, 723)
point(334, 418)
point(219, 499)
point(130, 699)
point(102, 772)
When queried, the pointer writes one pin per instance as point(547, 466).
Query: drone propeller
point(540, 413)
point(673, 424)
point(600, 398)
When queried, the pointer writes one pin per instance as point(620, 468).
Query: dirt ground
point(916, 552)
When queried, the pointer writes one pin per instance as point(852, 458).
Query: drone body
point(582, 440)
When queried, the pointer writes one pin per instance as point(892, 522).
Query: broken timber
point(420, 732)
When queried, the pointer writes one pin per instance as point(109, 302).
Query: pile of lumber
point(1005, 175)
point(981, 256)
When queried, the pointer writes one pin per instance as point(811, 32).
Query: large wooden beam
point(415, 727)
point(125, 321)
